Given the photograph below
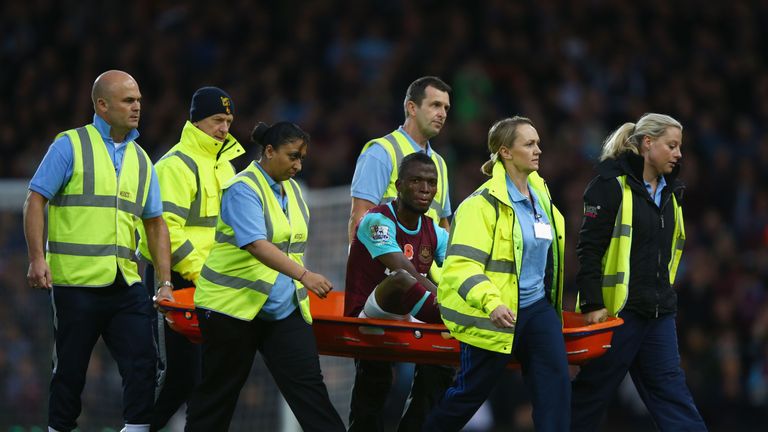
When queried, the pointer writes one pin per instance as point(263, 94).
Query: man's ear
point(411, 106)
point(101, 104)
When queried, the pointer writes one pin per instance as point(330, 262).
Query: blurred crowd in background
point(340, 69)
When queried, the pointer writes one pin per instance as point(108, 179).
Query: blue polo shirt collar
point(104, 129)
point(514, 194)
point(416, 146)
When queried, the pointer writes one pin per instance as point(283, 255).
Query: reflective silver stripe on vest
point(226, 238)
point(234, 281)
point(194, 217)
point(178, 210)
point(142, 180)
point(622, 230)
point(398, 152)
point(485, 193)
point(300, 201)
point(87, 198)
point(89, 182)
point(301, 293)
point(472, 321)
point(106, 201)
point(78, 249)
point(611, 280)
point(267, 216)
point(130, 207)
point(181, 252)
point(501, 266)
point(444, 180)
point(470, 283)
point(679, 244)
point(470, 252)
point(298, 247)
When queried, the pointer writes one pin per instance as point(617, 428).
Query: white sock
point(135, 428)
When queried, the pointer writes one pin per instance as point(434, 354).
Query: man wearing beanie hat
point(191, 175)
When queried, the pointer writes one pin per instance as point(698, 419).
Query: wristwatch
point(164, 284)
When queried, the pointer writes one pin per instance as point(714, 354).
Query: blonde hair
point(628, 136)
point(502, 133)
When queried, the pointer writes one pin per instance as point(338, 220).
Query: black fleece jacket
point(650, 293)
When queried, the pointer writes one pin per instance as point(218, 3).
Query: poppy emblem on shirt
point(425, 254)
point(408, 251)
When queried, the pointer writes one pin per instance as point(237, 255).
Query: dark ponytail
point(257, 136)
point(276, 135)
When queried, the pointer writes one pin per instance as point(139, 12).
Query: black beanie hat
point(208, 101)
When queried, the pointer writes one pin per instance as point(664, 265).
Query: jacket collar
point(497, 185)
point(197, 141)
point(631, 164)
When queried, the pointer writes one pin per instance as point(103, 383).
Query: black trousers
point(179, 360)
point(122, 316)
point(373, 382)
point(290, 353)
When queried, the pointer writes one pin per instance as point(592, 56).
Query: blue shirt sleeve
point(239, 200)
point(55, 170)
point(378, 234)
point(372, 173)
point(154, 205)
point(442, 244)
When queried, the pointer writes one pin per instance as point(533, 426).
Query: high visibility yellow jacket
point(191, 176)
point(92, 220)
point(483, 262)
point(397, 146)
point(233, 282)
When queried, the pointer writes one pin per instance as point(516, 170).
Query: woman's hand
point(317, 283)
point(597, 316)
point(502, 317)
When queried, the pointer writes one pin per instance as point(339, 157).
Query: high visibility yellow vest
point(397, 146)
point(616, 260)
point(92, 220)
point(483, 262)
point(232, 281)
point(191, 180)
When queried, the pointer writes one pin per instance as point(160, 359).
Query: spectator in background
point(252, 292)
point(191, 176)
point(100, 184)
point(630, 246)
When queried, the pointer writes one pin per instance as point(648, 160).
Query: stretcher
point(398, 341)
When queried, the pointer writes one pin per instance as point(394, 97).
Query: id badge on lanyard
point(542, 230)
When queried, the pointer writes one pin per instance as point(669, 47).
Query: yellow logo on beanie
point(225, 104)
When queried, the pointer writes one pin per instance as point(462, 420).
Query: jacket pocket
point(211, 200)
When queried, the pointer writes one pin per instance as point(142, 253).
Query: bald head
point(105, 84)
point(117, 100)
